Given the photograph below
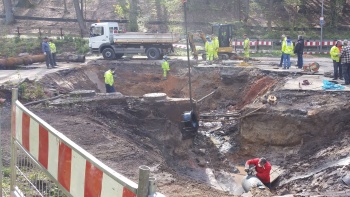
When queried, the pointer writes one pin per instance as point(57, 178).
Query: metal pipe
point(0, 146)
point(152, 189)
point(13, 133)
point(188, 55)
point(251, 181)
point(321, 24)
point(142, 190)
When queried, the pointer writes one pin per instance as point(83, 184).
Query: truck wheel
point(153, 53)
point(108, 54)
point(119, 55)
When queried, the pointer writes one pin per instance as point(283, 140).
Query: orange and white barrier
point(76, 170)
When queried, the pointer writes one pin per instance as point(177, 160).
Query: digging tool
point(190, 119)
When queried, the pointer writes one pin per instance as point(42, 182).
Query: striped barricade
point(71, 167)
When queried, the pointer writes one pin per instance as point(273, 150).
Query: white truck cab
point(101, 33)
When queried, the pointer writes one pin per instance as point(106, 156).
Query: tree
point(9, 17)
point(80, 16)
point(133, 15)
point(65, 6)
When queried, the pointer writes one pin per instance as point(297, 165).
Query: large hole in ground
point(305, 134)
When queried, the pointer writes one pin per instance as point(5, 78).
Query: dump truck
point(108, 39)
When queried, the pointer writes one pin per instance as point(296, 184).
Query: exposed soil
point(306, 133)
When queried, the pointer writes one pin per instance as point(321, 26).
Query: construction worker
point(287, 50)
point(45, 47)
point(53, 52)
point(262, 168)
point(109, 80)
point(209, 49)
point(216, 46)
point(246, 47)
point(345, 61)
point(165, 67)
point(283, 42)
point(335, 53)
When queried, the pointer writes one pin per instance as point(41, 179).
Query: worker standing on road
point(45, 47)
point(262, 168)
point(165, 67)
point(283, 42)
point(109, 80)
point(335, 53)
point(246, 47)
point(299, 50)
point(345, 60)
point(287, 50)
point(216, 46)
point(53, 52)
point(209, 49)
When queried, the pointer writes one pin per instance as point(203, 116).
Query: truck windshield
point(96, 31)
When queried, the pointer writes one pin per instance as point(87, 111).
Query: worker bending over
point(109, 80)
point(209, 49)
point(165, 67)
point(246, 47)
point(262, 168)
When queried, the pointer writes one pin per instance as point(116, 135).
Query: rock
point(82, 93)
point(201, 162)
point(155, 97)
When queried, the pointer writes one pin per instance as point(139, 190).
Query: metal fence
point(45, 163)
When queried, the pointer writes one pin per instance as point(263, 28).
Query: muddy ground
point(306, 134)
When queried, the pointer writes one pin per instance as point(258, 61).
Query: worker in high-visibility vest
point(287, 50)
point(209, 49)
point(216, 46)
point(109, 80)
point(165, 67)
point(246, 47)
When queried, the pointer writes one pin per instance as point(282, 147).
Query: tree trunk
point(80, 17)
point(270, 15)
point(65, 6)
point(9, 17)
point(133, 16)
point(237, 9)
point(246, 5)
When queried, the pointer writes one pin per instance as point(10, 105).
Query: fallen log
point(30, 59)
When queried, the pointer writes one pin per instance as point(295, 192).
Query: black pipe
point(188, 56)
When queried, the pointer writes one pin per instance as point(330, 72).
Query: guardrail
point(62, 164)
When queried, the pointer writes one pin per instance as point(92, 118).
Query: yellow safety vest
point(288, 48)
point(165, 65)
point(109, 78)
point(246, 45)
point(335, 53)
point(52, 47)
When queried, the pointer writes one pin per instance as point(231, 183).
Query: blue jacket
point(45, 47)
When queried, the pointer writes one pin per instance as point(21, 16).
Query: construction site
point(196, 127)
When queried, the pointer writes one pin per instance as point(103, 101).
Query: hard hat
point(208, 37)
point(165, 57)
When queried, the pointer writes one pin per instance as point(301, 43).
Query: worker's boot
point(164, 78)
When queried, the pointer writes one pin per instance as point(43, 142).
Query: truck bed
point(141, 38)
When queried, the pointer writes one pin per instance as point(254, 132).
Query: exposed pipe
point(251, 181)
point(30, 59)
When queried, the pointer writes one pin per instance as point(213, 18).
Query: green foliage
point(122, 9)
point(31, 91)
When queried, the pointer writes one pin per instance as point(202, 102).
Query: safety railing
point(44, 162)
